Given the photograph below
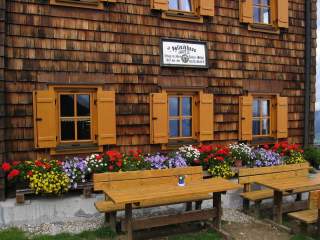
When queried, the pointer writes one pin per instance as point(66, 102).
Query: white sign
point(177, 53)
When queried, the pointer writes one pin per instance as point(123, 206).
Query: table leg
point(277, 208)
point(217, 205)
point(128, 219)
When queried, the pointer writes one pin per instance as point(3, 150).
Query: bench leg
point(217, 205)
point(128, 219)
point(198, 205)
point(257, 206)
point(299, 197)
point(278, 208)
point(111, 220)
point(246, 205)
point(318, 225)
point(188, 206)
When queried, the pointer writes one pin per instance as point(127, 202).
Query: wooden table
point(289, 185)
point(217, 186)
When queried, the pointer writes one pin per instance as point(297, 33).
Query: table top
point(165, 191)
point(292, 183)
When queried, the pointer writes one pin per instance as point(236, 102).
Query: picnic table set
point(161, 187)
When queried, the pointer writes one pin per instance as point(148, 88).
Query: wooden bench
point(248, 176)
point(134, 179)
point(310, 215)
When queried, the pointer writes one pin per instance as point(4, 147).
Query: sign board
point(181, 53)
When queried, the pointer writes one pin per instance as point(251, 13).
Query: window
point(180, 117)
point(261, 11)
point(75, 117)
point(69, 119)
point(180, 5)
point(92, 4)
point(261, 122)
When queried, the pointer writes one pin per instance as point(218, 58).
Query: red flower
point(196, 161)
point(110, 168)
point(30, 173)
point(139, 151)
point(13, 173)
point(98, 157)
point(119, 163)
point(205, 148)
point(220, 158)
point(16, 163)
point(6, 167)
point(266, 146)
point(276, 146)
point(38, 163)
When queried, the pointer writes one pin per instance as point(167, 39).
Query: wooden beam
point(158, 221)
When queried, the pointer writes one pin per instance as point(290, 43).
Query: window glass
point(186, 127)
point(174, 106)
point(67, 105)
point(67, 130)
point(261, 11)
point(256, 108)
point(256, 127)
point(265, 126)
point(186, 106)
point(83, 105)
point(261, 117)
point(174, 126)
point(84, 129)
point(181, 5)
point(265, 106)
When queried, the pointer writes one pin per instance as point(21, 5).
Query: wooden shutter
point(282, 117)
point(159, 118)
point(207, 8)
point(106, 111)
point(245, 121)
point(160, 4)
point(246, 11)
point(283, 13)
point(44, 114)
point(206, 117)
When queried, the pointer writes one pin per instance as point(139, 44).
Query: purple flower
point(157, 161)
point(265, 158)
point(76, 169)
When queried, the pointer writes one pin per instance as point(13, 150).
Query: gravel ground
point(76, 226)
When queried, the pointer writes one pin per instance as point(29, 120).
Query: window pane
point(67, 130)
point(83, 105)
point(84, 128)
point(255, 2)
point(265, 2)
point(67, 105)
point(186, 127)
point(265, 126)
point(174, 126)
point(186, 106)
point(256, 14)
point(174, 106)
point(266, 15)
point(173, 4)
point(185, 5)
point(256, 127)
point(265, 104)
point(256, 108)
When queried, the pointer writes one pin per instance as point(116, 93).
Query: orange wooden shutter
point(160, 4)
point(106, 111)
point(283, 14)
point(282, 117)
point(207, 7)
point(246, 11)
point(245, 121)
point(206, 117)
point(159, 118)
point(44, 114)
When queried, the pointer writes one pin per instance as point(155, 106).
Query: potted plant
point(240, 154)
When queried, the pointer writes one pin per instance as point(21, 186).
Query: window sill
point(182, 16)
point(263, 28)
point(79, 4)
point(83, 148)
point(172, 145)
point(263, 140)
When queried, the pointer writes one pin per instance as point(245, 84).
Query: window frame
point(93, 114)
point(261, 117)
point(98, 4)
point(178, 11)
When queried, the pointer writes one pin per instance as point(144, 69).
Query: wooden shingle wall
point(2, 93)
point(119, 47)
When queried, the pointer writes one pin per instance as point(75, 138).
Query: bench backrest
point(250, 175)
point(120, 180)
point(314, 200)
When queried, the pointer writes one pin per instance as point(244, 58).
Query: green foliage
point(312, 155)
point(12, 233)
point(207, 235)
point(301, 237)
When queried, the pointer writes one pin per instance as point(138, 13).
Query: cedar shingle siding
point(119, 48)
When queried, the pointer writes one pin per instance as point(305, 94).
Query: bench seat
point(258, 195)
point(307, 216)
point(105, 206)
